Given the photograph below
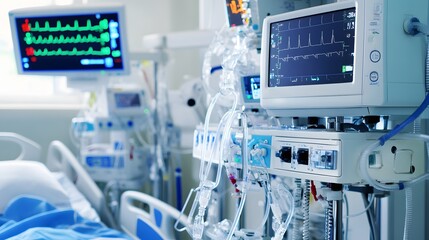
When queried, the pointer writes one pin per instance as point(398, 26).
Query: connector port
point(302, 156)
point(285, 154)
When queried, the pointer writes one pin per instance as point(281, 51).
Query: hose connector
point(411, 26)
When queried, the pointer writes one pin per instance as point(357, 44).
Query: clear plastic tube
point(202, 174)
point(306, 211)
point(297, 202)
point(245, 163)
point(232, 55)
point(371, 201)
point(205, 168)
point(267, 206)
point(408, 212)
point(282, 195)
point(204, 190)
point(329, 221)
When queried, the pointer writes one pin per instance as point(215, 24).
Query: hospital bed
point(141, 216)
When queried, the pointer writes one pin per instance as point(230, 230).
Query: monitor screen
point(235, 12)
point(251, 88)
point(127, 100)
point(310, 50)
point(70, 41)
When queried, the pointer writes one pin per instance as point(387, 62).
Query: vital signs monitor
point(74, 41)
point(350, 57)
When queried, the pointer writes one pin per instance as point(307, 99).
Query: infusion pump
point(348, 58)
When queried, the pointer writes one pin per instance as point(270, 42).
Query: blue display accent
point(158, 217)
point(100, 161)
point(145, 231)
point(263, 142)
point(108, 62)
point(251, 88)
point(178, 174)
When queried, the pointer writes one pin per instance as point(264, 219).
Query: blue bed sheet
point(28, 217)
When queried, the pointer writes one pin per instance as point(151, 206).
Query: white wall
point(39, 125)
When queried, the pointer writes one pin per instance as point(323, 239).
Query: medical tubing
point(202, 174)
point(216, 46)
point(176, 224)
point(346, 224)
point(297, 203)
point(206, 187)
point(267, 205)
point(229, 118)
point(245, 163)
point(421, 28)
point(408, 212)
point(266, 183)
point(306, 211)
point(225, 118)
point(279, 233)
point(203, 201)
point(398, 128)
point(371, 201)
point(371, 218)
point(427, 64)
point(329, 221)
point(267, 188)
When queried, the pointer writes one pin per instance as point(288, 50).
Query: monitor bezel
point(276, 97)
point(51, 11)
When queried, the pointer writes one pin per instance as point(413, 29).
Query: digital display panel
point(316, 49)
point(235, 12)
point(251, 88)
point(70, 42)
point(127, 100)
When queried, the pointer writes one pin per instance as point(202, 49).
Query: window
point(19, 89)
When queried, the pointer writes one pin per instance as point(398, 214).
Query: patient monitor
point(73, 41)
point(348, 58)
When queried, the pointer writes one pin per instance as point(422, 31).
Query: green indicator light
point(146, 111)
point(61, 39)
point(104, 51)
point(102, 25)
point(347, 68)
point(116, 53)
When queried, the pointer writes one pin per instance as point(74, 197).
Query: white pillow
point(19, 177)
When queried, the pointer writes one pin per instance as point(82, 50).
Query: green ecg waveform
point(104, 51)
point(31, 39)
point(102, 25)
